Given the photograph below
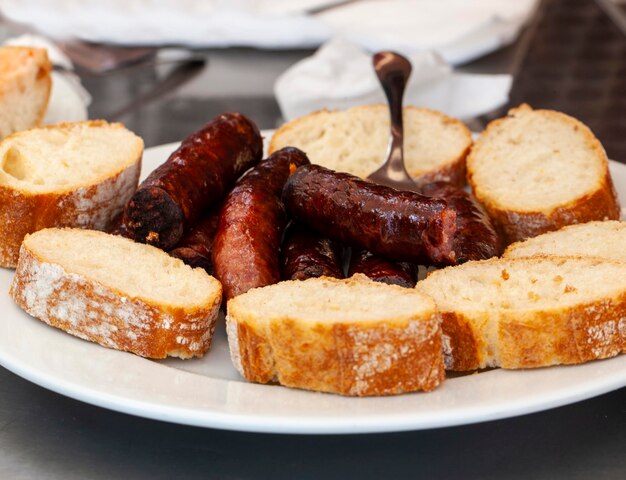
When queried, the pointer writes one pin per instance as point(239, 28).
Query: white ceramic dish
point(208, 392)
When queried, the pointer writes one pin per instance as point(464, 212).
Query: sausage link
point(251, 224)
point(305, 254)
point(476, 237)
point(403, 226)
point(194, 177)
point(382, 270)
point(195, 247)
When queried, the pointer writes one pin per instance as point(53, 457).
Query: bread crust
point(514, 225)
point(92, 206)
point(90, 310)
point(349, 358)
point(453, 170)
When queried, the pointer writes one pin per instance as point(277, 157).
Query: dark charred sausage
point(194, 177)
point(195, 247)
point(476, 237)
point(251, 224)
point(381, 270)
point(305, 254)
point(402, 226)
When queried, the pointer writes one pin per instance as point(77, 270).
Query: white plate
point(208, 392)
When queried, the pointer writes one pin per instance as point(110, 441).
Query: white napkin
point(340, 75)
point(68, 99)
point(458, 29)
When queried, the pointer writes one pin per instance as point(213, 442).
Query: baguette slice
point(352, 336)
point(115, 292)
point(531, 312)
point(65, 175)
point(605, 240)
point(355, 141)
point(536, 171)
point(25, 84)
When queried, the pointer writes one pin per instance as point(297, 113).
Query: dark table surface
point(44, 435)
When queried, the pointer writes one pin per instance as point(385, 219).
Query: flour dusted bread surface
point(66, 175)
point(355, 141)
point(530, 312)
point(593, 239)
point(352, 336)
point(25, 84)
point(538, 170)
point(120, 294)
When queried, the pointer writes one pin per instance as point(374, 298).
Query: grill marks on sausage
point(252, 220)
point(197, 175)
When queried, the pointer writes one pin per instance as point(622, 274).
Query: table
point(46, 436)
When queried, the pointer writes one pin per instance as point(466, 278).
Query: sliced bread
point(593, 239)
point(352, 336)
point(65, 175)
point(355, 141)
point(536, 171)
point(531, 312)
point(118, 293)
point(25, 83)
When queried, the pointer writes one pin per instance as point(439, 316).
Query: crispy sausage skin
point(382, 270)
point(194, 177)
point(251, 224)
point(305, 254)
point(476, 237)
point(195, 247)
point(403, 226)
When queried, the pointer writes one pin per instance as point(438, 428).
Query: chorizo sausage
point(381, 270)
point(195, 247)
point(305, 254)
point(476, 237)
point(251, 224)
point(398, 225)
point(194, 177)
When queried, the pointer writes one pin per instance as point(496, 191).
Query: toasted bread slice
point(66, 175)
point(355, 141)
point(593, 239)
point(352, 337)
point(536, 171)
point(530, 312)
point(118, 293)
point(25, 83)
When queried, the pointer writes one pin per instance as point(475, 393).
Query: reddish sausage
point(194, 177)
point(252, 220)
point(195, 247)
point(382, 270)
point(305, 254)
point(402, 226)
point(476, 237)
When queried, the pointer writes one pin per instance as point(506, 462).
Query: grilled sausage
point(305, 254)
point(194, 177)
point(403, 226)
point(382, 270)
point(251, 224)
point(195, 247)
point(476, 237)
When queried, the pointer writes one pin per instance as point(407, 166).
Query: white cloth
point(68, 98)
point(340, 75)
point(459, 30)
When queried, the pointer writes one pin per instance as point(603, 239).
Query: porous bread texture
point(536, 171)
point(355, 141)
point(352, 336)
point(121, 294)
point(530, 312)
point(593, 239)
point(25, 83)
point(77, 174)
